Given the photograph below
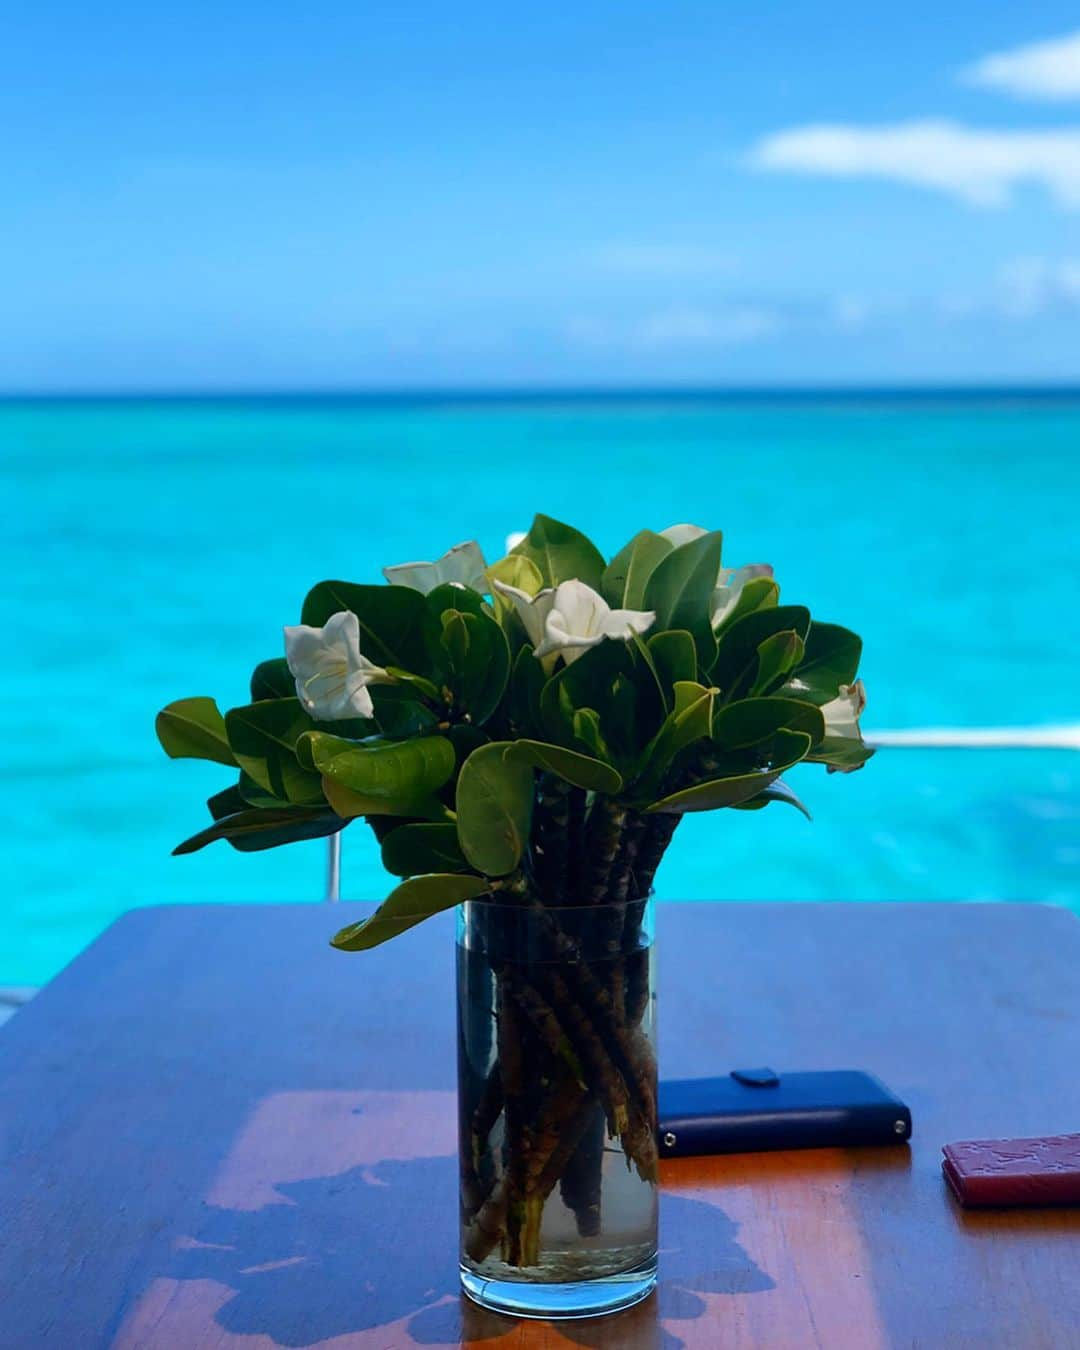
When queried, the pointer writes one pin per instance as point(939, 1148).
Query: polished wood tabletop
point(218, 1133)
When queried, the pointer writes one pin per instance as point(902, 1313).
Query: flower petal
point(843, 712)
point(682, 534)
point(532, 610)
point(463, 564)
point(729, 587)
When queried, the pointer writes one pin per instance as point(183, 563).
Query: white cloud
point(980, 167)
point(662, 260)
point(1043, 70)
point(678, 327)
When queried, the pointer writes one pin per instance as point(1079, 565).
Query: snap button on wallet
point(1014, 1172)
point(753, 1110)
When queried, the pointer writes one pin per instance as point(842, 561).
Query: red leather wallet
point(1014, 1172)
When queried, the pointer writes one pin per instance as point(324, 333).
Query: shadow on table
point(297, 1267)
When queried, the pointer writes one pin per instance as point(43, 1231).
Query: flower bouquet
point(523, 739)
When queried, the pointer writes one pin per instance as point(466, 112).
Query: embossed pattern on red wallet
point(1015, 1172)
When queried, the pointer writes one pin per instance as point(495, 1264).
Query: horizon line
point(463, 393)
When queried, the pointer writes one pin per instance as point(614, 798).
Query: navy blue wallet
point(754, 1110)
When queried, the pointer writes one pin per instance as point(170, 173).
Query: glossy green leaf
point(400, 709)
point(392, 620)
point(581, 770)
point(526, 687)
point(713, 795)
point(586, 728)
point(349, 804)
point(842, 754)
point(561, 553)
point(494, 807)
point(448, 596)
point(409, 904)
point(263, 738)
point(255, 829)
point(690, 720)
point(777, 658)
point(626, 577)
point(750, 720)
point(272, 679)
point(398, 771)
point(681, 587)
point(737, 649)
point(193, 728)
point(775, 792)
point(757, 593)
point(413, 849)
point(477, 661)
point(832, 659)
point(674, 656)
point(422, 686)
point(785, 749)
point(518, 571)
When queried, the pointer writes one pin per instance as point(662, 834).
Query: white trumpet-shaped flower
point(463, 565)
point(578, 618)
point(843, 712)
point(330, 671)
point(532, 610)
point(729, 586)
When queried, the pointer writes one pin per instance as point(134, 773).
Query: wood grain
point(216, 1132)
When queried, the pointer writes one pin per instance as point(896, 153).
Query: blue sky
point(392, 195)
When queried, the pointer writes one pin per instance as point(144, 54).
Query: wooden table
point(217, 1132)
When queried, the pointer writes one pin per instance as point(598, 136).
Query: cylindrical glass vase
point(557, 1105)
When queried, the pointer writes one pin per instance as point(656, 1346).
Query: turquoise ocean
point(153, 549)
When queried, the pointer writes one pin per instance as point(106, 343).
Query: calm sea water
point(154, 549)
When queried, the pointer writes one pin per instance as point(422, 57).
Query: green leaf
point(580, 770)
point(253, 830)
point(680, 590)
point(625, 578)
point(263, 738)
point(757, 593)
point(392, 620)
point(398, 771)
point(690, 721)
point(842, 754)
point(494, 807)
point(561, 553)
point(422, 686)
point(526, 686)
point(515, 570)
point(787, 748)
point(751, 720)
point(777, 657)
point(349, 804)
point(775, 792)
point(193, 728)
point(737, 651)
point(400, 710)
point(478, 661)
point(586, 728)
point(832, 659)
point(674, 656)
point(272, 679)
point(409, 904)
point(448, 596)
point(412, 849)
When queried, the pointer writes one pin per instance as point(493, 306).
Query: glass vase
point(557, 1105)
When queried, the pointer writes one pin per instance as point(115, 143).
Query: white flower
point(331, 674)
point(578, 618)
point(463, 565)
point(729, 585)
point(514, 538)
point(532, 610)
point(843, 712)
point(682, 534)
